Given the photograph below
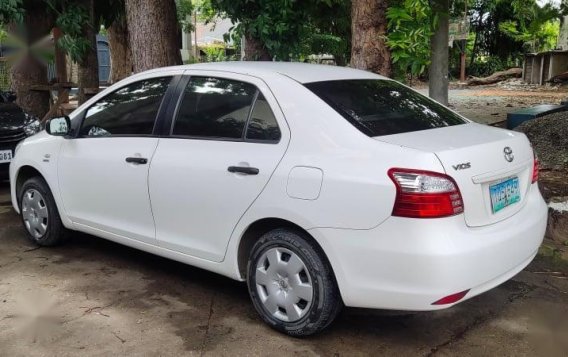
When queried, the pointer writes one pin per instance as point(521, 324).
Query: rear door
point(227, 137)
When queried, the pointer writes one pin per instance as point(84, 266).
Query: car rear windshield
point(383, 107)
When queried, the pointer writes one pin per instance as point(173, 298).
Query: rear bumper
point(407, 264)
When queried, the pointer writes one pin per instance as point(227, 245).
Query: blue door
point(103, 54)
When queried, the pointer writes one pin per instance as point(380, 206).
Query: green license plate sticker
point(504, 194)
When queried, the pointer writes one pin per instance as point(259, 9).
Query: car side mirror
point(59, 126)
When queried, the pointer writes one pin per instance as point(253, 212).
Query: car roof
point(300, 72)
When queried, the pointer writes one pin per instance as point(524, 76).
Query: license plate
point(504, 194)
point(5, 156)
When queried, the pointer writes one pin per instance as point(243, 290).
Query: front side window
point(131, 110)
point(383, 107)
point(214, 108)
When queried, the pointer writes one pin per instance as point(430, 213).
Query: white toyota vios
point(319, 186)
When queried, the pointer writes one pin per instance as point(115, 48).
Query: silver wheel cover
point(34, 213)
point(284, 284)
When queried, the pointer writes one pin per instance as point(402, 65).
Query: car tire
point(291, 283)
point(39, 214)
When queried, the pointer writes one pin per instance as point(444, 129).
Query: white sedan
point(319, 186)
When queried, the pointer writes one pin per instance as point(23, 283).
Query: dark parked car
point(15, 126)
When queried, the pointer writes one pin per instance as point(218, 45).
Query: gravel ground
point(92, 297)
point(549, 136)
point(490, 104)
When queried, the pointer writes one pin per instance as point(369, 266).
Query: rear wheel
point(291, 283)
point(39, 213)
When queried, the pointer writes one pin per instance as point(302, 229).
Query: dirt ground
point(92, 297)
point(490, 104)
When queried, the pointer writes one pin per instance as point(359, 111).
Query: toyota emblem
point(508, 154)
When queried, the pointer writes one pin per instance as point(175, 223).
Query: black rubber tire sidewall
point(326, 302)
point(56, 232)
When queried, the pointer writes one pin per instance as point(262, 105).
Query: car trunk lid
point(477, 157)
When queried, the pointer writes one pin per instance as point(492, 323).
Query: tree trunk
point(88, 66)
point(25, 73)
point(438, 78)
point(369, 50)
point(120, 53)
point(153, 33)
point(60, 66)
point(255, 50)
point(498, 77)
point(28, 70)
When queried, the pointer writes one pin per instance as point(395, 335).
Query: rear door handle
point(137, 160)
point(243, 170)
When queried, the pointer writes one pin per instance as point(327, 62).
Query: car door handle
point(243, 170)
point(137, 160)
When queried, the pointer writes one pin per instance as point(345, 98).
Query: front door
point(227, 139)
point(104, 171)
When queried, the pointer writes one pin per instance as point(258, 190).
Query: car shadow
point(192, 285)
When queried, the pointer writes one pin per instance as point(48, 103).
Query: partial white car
point(319, 186)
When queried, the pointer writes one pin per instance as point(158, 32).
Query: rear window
point(382, 107)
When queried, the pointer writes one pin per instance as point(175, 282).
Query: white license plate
point(5, 156)
point(504, 194)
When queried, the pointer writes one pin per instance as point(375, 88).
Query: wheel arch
point(25, 172)
point(256, 229)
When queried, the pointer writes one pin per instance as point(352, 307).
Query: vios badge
point(508, 154)
point(463, 166)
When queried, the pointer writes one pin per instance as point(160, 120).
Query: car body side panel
point(40, 152)
point(102, 190)
point(354, 169)
point(354, 166)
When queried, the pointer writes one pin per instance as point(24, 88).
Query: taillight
point(425, 194)
point(535, 169)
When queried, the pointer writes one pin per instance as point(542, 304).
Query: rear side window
point(131, 110)
point(383, 107)
point(262, 125)
point(214, 108)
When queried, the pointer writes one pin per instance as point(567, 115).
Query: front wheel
point(39, 213)
point(291, 283)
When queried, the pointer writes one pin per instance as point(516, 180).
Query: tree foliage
point(535, 26)
point(11, 10)
point(185, 9)
point(500, 32)
point(411, 24)
point(71, 18)
point(283, 25)
point(109, 11)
